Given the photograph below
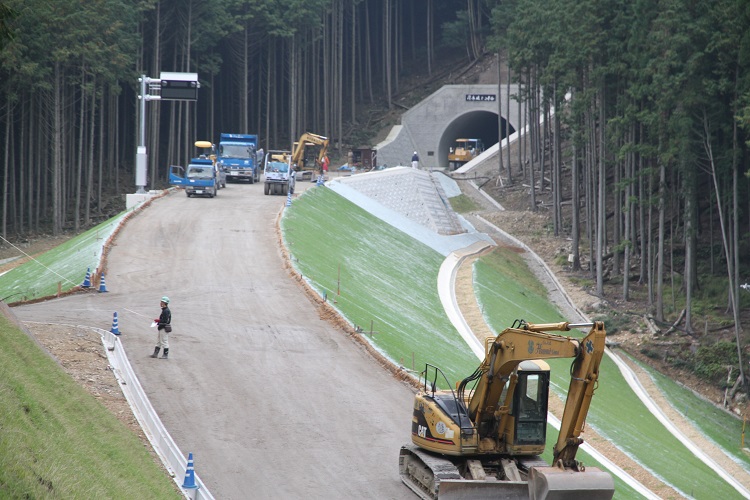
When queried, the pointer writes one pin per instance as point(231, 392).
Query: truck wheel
point(188, 194)
point(266, 188)
point(252, 179)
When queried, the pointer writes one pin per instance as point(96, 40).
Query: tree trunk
point(90, 157)
point(57, 153)
point(601, 219)
point(575, 207)
point(6, 167)
point(499, 119)
point(660, 242)
point(387, 37)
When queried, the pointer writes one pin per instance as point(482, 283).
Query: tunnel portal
point(472, 125)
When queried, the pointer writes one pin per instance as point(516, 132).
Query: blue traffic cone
point(115, 328)
point(87, 280)
point(189, 482)
point(289, 200)
point(102, 285)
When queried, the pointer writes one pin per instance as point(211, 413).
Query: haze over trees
point(646, 157)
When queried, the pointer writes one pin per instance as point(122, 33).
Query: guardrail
point(167, 450)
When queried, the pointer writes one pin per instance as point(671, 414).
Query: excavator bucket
point(553, 483)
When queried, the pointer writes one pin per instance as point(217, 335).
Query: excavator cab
point(529, 411)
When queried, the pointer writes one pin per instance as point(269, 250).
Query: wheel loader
point(484, 439)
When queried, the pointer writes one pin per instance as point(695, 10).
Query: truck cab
point(237, 156)
point(200, 178)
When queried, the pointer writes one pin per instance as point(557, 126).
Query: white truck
point(279, 174)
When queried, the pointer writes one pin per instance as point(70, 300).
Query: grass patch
point(57, 441)
point(463, 204)
point(616, 412)
point(65, 264)
point(714, 423)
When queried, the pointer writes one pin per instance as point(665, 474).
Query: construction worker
point(164, 328)
point(324, 164)
point(415, 160)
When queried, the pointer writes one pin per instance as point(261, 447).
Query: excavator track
point(432, 477)
point(423, 472)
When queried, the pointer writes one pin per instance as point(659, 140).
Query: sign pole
point(141, 158)
point(169, 86)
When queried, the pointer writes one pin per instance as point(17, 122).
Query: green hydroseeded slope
point(616, 412)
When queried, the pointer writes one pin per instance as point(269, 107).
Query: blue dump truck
point(200, 178)
point(238, 157)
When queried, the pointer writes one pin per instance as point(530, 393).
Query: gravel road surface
point(272, 401)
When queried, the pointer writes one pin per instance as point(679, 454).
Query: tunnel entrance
point(472, 125)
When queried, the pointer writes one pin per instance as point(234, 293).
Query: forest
point(645, 156)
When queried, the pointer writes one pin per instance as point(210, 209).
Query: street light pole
point(141, 157)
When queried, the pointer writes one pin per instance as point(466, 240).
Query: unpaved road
point(272, 401)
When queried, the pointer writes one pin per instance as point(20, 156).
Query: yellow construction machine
point(308, 153)
point(484, 440)
point(463, 151)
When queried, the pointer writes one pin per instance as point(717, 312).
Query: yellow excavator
point(463, 151)
point(308, 153)
point(484, 440)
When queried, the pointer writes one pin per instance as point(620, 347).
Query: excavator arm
point(527, 341)
point(584, 376)
point(298, 152)
point(504, 353)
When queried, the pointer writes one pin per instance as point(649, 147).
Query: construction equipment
point(221, 174)
point(199, 178)
point(463, 151)
point(280, 178)
point(238, 156)
point(308, 153)
point(484, 441)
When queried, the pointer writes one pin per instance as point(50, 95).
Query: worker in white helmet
point(415, 160)
point(164, 328)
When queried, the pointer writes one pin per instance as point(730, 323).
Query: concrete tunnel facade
point(452, 112)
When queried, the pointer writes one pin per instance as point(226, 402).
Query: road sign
point(179, 86)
